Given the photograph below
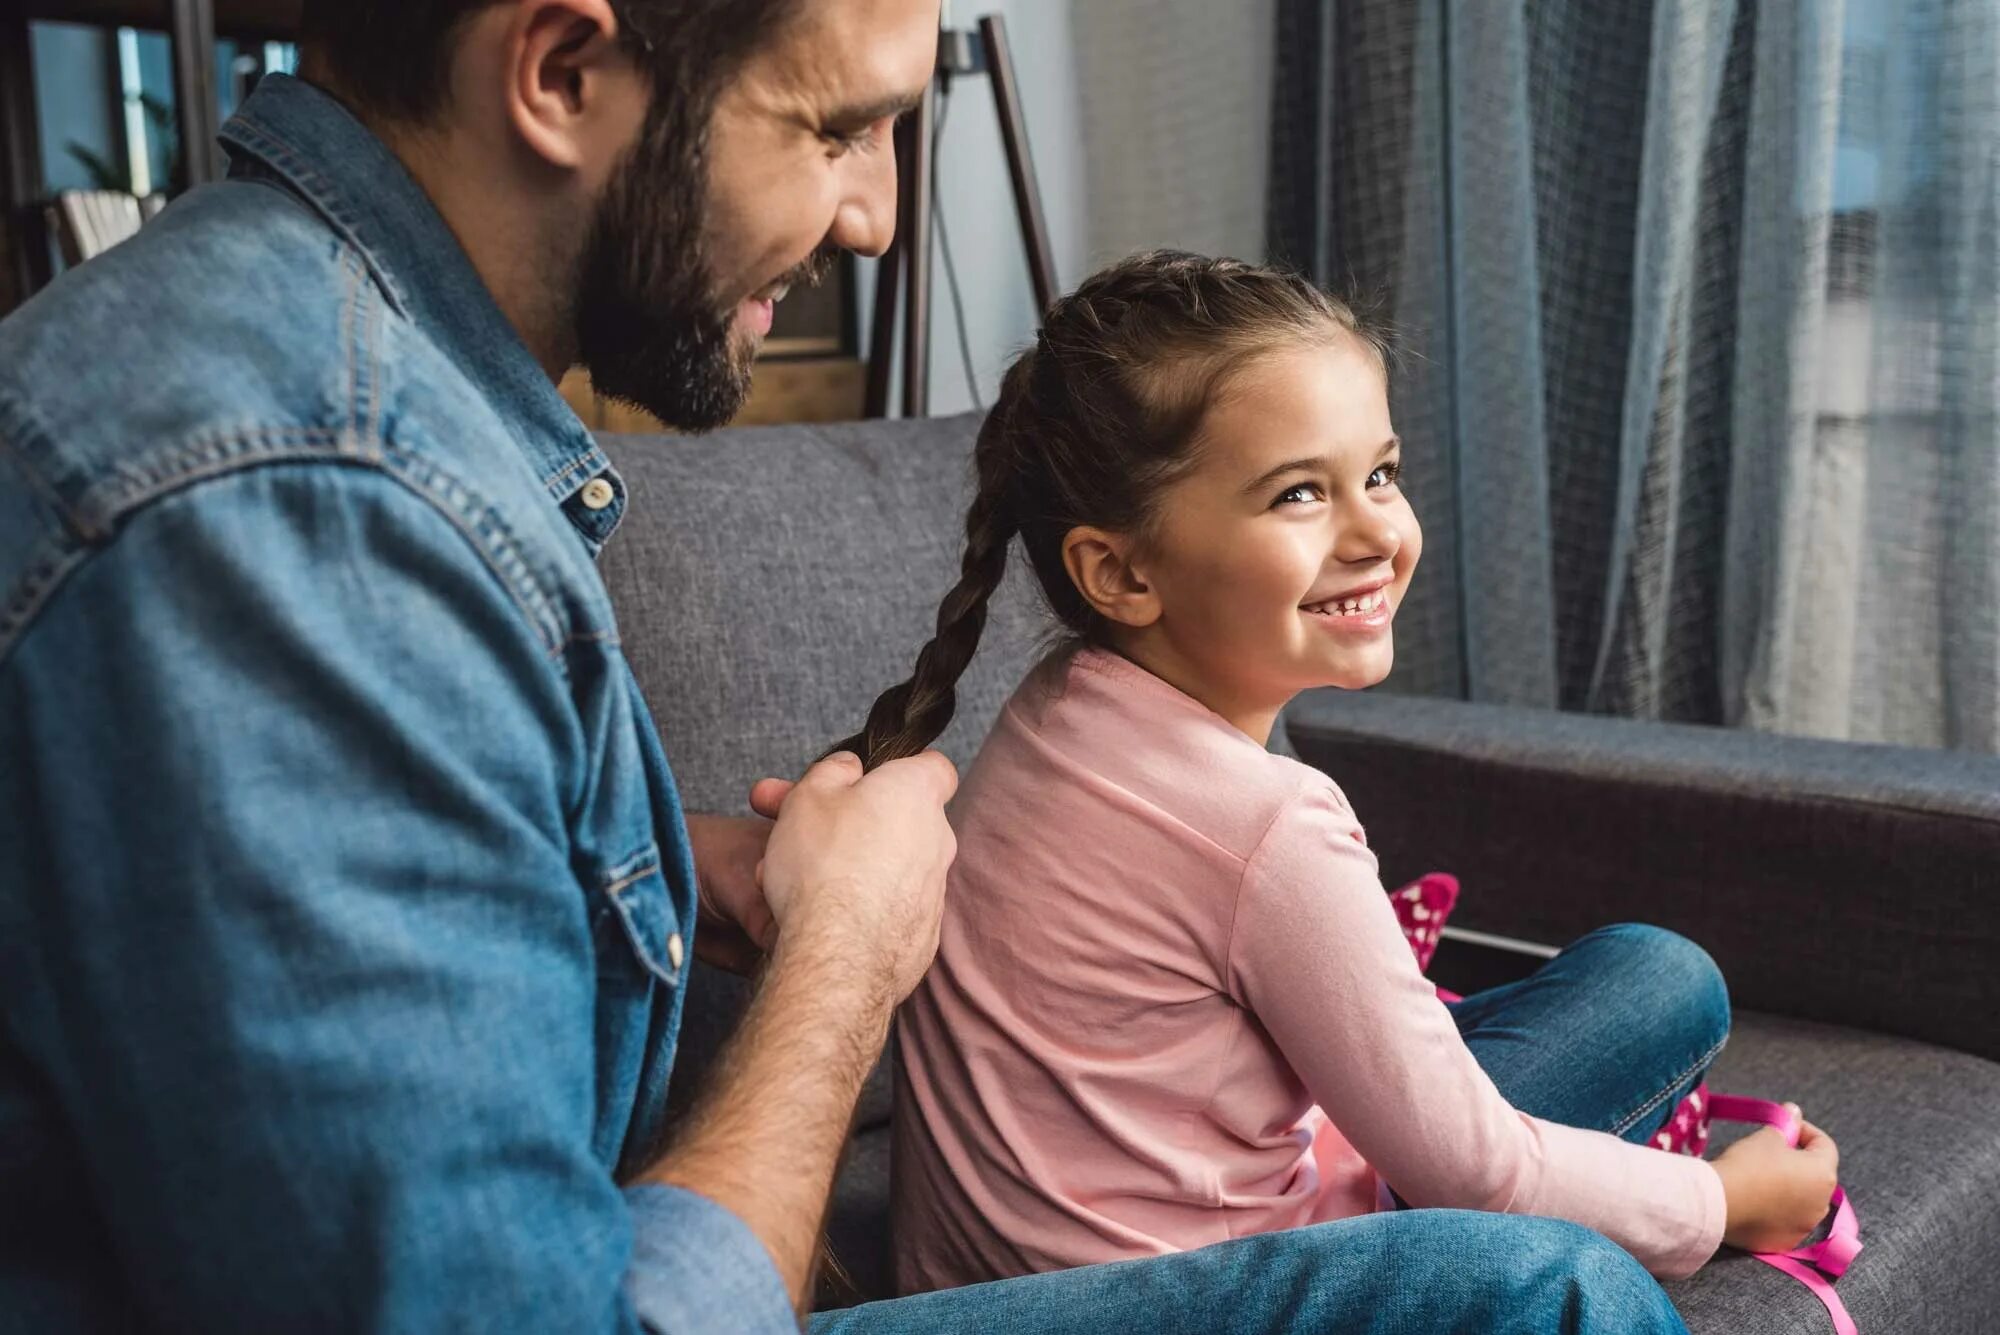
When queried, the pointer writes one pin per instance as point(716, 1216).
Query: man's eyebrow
point(1310, 462)
point(867, 113)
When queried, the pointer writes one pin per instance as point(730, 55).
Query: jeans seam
point(1701, 1063)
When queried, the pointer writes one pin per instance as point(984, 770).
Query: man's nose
point(865, 222)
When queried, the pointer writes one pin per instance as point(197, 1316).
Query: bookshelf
point(263, 20)
point(193, 26)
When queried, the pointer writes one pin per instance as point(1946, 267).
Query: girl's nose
point(1367, 533)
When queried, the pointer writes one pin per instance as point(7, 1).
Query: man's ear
point(1100, 565)
point(573, 92)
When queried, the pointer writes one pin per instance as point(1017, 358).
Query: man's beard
point(649, 326)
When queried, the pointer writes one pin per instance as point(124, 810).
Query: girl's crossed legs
point(1611, 1034)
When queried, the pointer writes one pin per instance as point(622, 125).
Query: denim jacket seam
point(57, 554)
point(31, 592)
point(197, 458)
point(364, 357)
point(592, 459)
point(496, 543)
point(20, 421)
point(216, 456)
point(321, 194)
point(607, 638)
point(350, 302)
point(650, 865)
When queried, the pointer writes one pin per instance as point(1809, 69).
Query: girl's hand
point(1777, 1195)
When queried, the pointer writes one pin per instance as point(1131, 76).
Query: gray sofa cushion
point(1919, 1135)
point(769, 584)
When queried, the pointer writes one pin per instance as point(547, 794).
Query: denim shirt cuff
point(697, 1267)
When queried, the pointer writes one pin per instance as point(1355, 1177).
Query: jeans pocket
point(637, 925)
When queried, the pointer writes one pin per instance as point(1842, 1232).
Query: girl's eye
point(1389, 474)
point(1298, 495)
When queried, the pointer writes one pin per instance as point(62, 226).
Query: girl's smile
point(1278, 561)
point(1357, 612)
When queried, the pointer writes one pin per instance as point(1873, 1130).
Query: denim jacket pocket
point(637, 921)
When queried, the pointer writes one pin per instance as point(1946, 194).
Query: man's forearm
point(766, 1136)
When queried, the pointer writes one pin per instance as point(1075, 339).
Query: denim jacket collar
point(291, 130)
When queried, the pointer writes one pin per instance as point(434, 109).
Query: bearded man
point(346, 903)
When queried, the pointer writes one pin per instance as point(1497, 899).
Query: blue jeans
point(1382, 1274)
point(1610, 1034)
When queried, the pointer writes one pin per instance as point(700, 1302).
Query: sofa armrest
point(1854, 884)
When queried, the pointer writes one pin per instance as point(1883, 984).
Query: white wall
point(1176, 112)
point(978, 203)
point(1149, 125)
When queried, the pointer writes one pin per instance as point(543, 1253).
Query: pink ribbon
point(1817, 1264)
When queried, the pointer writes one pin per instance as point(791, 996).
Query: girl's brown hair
point(1092, 422)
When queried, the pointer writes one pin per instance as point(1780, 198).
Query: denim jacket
point(345, 897)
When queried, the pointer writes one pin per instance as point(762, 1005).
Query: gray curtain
point(1701, 300)
point(1173, 116)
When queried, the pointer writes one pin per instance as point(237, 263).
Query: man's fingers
point(768, 795)
point(931, 769)
point(842, 769)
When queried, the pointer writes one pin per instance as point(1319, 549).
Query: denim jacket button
point(676, 952)
point(597, 493)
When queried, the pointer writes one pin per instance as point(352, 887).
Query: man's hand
point(736, 923)
point(852, 879)
point(855, 868)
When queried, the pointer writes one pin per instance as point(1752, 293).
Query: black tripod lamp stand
point(905, 269)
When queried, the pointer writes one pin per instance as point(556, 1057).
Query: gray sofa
point(770, 582)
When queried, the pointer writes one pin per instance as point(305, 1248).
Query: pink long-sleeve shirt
point(1172, 1006)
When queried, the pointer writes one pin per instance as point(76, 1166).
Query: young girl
point(1171, 1003)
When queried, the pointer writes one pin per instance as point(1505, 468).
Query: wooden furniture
point(816, 389)
point(194, 26)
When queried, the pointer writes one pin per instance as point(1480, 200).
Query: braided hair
point(1091, 424)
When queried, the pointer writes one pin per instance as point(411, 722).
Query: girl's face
point(1279, 561)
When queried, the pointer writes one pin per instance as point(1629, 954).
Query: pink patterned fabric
point(1686, 1132)
point(1421, 909)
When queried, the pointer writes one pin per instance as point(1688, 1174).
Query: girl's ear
point(1100, 565)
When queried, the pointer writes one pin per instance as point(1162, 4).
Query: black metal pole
point(21, 171)
point(194, 90)
point(888, 273)
point(1020, 165)
point(917, 262)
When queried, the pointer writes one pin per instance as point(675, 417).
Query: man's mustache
point(813, 269)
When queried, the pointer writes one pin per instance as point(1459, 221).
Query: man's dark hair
point(393, 57)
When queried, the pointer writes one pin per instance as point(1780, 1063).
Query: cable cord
point(944, 251)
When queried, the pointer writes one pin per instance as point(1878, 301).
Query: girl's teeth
point(1356, 606)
